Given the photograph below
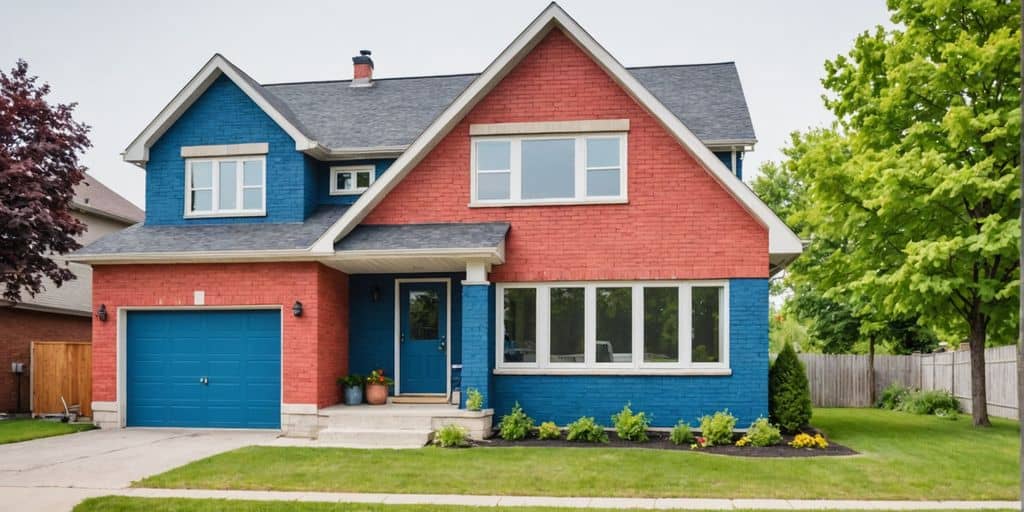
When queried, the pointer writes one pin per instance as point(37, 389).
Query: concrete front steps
point(395, 425)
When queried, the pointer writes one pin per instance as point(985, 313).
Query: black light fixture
point(101, 313)
point(297, 308)
point(375, 294)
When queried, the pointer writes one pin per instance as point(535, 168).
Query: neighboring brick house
point(557, 230)
point(59, 313)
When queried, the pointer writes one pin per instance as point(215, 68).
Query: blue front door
point(204, 369)
point(423, 342)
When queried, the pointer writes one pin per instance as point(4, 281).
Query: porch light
point(101, 313)
point(297, 308)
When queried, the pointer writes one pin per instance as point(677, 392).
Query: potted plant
point(352, 386)
point(377, 387)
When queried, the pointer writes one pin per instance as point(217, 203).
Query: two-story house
point(558, 231)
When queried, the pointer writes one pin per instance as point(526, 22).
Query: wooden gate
point(61, 368)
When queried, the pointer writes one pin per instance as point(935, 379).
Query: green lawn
point(903, 456)
point(124, 504)
point(13, 431)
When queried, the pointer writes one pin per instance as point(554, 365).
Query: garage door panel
point(238, 352)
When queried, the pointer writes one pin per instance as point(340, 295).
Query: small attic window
point(351, 179)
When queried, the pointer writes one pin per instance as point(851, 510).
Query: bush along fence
point(843, 380)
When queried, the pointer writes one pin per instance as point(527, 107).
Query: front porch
point(395, 425)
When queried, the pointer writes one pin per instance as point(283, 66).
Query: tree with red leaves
point(39, 148)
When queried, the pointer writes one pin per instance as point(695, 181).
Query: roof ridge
point(453, 75)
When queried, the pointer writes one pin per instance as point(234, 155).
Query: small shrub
point(763, 433)
point(629, 426)
point(789, 396)
point(717, 428)
point(893, 396)
point(548, 430)
point(515, 425)
point(681, 434)
point(928, 402)
point(807, 441)
point(474, 399)
point(451, 436)
point(948, 414)
point(586, 430)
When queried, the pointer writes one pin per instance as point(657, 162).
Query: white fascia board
point(780, 238)
point(138, 151)
point(494, 255)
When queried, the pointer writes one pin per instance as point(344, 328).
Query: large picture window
point(658, 326)
point(549, 169)
point(216, 187)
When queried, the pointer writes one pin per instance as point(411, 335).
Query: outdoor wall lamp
point(297, 308)
point(101, 313)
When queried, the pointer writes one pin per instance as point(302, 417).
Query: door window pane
point(424, 315)
point(548, 168)
point(493, 155)
point(567, 325)
point(520, 343)
point(492, 185)
point(228, 186)
point(614, 325)
point(661, 325)
point(706, 336)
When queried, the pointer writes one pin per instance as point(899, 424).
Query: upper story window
point(615, 326)
point(548, 169)
point(351, 179)
point(225, 187)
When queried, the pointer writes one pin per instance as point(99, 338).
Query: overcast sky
point(123, 61)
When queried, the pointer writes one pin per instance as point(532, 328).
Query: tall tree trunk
point(871, 369)
point(979, 396)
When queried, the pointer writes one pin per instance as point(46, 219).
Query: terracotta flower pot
point(376, 394)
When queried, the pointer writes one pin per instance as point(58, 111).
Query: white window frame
point(214, 188)
point(354, 170)
point(579, 177)
point(637, 366)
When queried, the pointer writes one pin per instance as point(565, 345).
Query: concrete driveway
point(55, 473)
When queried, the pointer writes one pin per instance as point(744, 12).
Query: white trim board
point(781, 240)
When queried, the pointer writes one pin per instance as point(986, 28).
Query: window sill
point(553, 202)
point(216, 215)
point(625, 372)
point(348, 192)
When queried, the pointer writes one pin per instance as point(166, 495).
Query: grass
point(902, 456)
point(125, 504)
point(13, 431)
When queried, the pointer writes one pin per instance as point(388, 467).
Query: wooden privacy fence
point(61, 368)
point(843, 380)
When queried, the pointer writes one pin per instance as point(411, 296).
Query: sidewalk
point(56, 498)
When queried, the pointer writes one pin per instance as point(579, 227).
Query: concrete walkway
point(56, 498)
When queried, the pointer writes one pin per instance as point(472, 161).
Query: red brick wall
point(307, 366)
point(18, 329)
point(679, 223)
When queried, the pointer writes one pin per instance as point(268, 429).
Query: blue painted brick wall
point(478, 341)
point(323, 179)
point(372, 324)
point(225, 115)
point(667, 398)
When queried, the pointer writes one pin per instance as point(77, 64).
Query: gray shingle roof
point(423, 236)
point(707, 98)
point(216, 237)
point(92, 194)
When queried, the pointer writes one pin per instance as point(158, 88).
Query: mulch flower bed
point(660, 441)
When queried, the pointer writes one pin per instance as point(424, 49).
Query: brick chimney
point(362, 69)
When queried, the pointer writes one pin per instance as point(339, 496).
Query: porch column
point(477, 333)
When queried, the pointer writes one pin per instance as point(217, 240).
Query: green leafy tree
point(789, 395)
point(914, 192)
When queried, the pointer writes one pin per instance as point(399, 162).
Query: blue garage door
point(204, 369)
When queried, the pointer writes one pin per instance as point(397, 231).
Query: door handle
point(204, 381)
point(401, 338)
point(441, 345)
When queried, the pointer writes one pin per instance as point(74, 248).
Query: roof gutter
point(321, 152)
